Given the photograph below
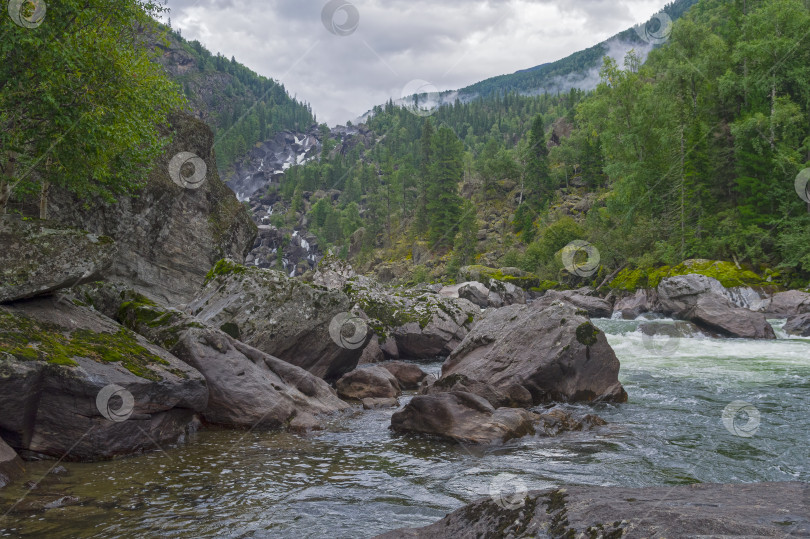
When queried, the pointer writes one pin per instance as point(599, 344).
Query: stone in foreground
point(748, 510)
point(368, 383)
point(553, 351)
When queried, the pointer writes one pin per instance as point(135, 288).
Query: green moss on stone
point(587, 334)
point(727, 273)
point(223, 268)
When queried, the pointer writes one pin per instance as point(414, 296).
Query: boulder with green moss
point(727, 273)
point(423, 324)
point(248, 388)
point(553, 351)
point(168, 236)
point(40, 257)
point(282, 316)
point(514, 276)
point(76, 385)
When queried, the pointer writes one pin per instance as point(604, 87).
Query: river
point(357, 479)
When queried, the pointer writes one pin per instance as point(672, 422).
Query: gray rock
point(462, 417)
point(248, 388)
point(168, 236)
point(508, 293)
point(703, 300)
point(424, 325)
point(798, 325)
point(333, 272)
point(372, 382)
point(38, 258)
point(11, 466)
point(513, 396)
point(49, 395)
point(703, 510)
point(283, 317)
point(476, 293)
point(596, 307)
point(373, 404)
point(631, 307)
point(786, 304)
point(553, 351)
point(409, 375)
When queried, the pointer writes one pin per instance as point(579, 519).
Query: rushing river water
point(357, 479)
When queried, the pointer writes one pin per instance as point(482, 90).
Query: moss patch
point(224, 268)
point(587, 334)
point(727, 273)
point(29, 340)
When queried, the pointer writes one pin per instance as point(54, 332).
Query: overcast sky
point(345, 56)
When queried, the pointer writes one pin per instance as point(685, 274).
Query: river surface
point(357, 479)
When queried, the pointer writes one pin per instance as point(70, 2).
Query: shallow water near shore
point(357, 479)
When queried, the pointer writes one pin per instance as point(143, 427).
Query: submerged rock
point(75, 385)
point(368, 383)
point(744, 510)
point(462, 417)
point(38, 258)
point(798, 325)
point(11, 466)
point(283, 317)
point(554, 352)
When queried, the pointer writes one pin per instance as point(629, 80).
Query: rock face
point(596, 307)
point(283, 317)
point(11, 465)
point(38, 258)
point(168, 236)
point(798, 325)
point(702, 300)
point(368, 383)
point(57, 365)
point(746, 510)
point(423, 324)
point(554, 352)
point(462, 417)
point(408, 375)
point(248, 388)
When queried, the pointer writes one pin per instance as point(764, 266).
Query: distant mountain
point(581, 69)
point(242, 107)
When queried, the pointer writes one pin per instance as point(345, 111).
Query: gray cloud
point(452, 43)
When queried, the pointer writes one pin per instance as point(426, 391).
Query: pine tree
point(444, 203)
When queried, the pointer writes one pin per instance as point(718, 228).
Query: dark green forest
point(691, 155)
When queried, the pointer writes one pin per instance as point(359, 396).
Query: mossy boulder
point(727, 273)
point(40, 257)
point(55, 360)
point(513, 276)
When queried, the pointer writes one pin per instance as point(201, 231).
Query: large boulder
point(75, 385)
point(553, 351)
point(11, 466)
point(786, 304)
point(702, 510)
point(409, 375)
point(38, 258)
point(304, 325)
point(476, 293)
point(462, 417)
point(168, 236)
point(423, 324)
point(798, 325)
point(514, 396)
point(248, 388)
point(372, 382)
point(704, 301)
point(333, 272)
point(596, 307)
